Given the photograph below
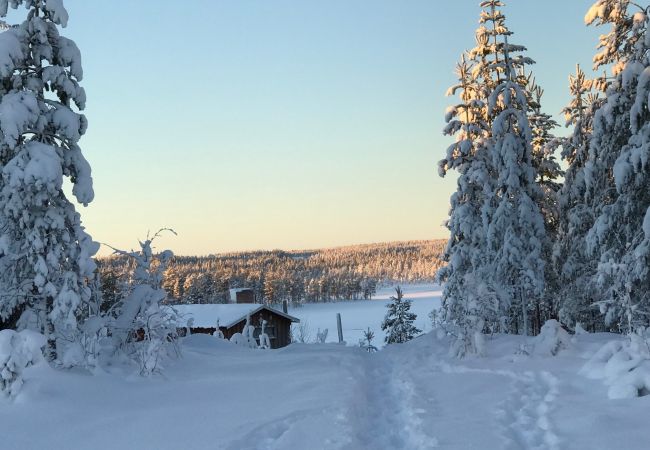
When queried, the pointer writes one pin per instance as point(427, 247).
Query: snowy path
point(388, 413)
point(525, 414)
point(399, 405)
point(524, 417)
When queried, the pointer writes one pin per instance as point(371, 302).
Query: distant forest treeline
point(344, 273)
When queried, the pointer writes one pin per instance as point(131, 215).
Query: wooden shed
point(241, 295)
point(232, 318)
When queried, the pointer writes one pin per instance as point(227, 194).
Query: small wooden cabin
point(232, 318)
point(242, 295)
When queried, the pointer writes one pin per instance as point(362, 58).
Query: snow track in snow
point(280, 433)
point(525, 414)
point(388, 412)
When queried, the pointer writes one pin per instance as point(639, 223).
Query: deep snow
point(308, 396)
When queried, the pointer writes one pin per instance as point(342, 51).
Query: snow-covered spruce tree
point(611, 122)
point(467, 266)
point(516, 231)
point(620, 231)
point(548, 173)
point(45, 254)
point(472, 300)
point(467, 295)
point(571, 261)
point(398, 323)
point(494, 48)
point(617, 168)
point(366, 342)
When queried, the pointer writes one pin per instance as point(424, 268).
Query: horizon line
point(295, 250)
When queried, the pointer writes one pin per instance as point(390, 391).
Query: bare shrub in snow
point(321, 336)
point(301, 333)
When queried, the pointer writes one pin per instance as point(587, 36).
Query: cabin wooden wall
point(245, 296)
point(278, 325)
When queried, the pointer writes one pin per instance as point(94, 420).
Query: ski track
point(391, 415)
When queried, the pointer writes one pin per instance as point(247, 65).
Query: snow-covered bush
point(218, 333)
point(480, 314)
point(467, 341)
point(18, 350)
point(246, 338)
point(579, 330)
point(265, 341)
point(624, 365)
point(139, 325)
point(552, 339)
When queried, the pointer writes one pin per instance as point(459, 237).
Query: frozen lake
point(358, 315)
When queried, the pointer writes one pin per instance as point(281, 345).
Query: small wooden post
point(285, 306)
point(340, 327)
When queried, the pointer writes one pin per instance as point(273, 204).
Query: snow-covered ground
point(327, 396)
point(359, 315)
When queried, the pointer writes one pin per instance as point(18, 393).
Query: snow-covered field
point(410, 396)
point(359, 315)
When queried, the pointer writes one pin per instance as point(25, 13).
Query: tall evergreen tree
point(571, 261)
point(618, 234)
point(548, 172)
point(466, 263)
point(471, 299)
point(516, 232)
point(45, 254)
point(617, 225)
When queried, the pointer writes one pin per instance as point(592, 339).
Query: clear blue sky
point(249, 124)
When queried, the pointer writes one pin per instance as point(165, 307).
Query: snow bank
point(623, 365)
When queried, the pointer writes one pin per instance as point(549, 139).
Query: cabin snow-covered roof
point(206, 316)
